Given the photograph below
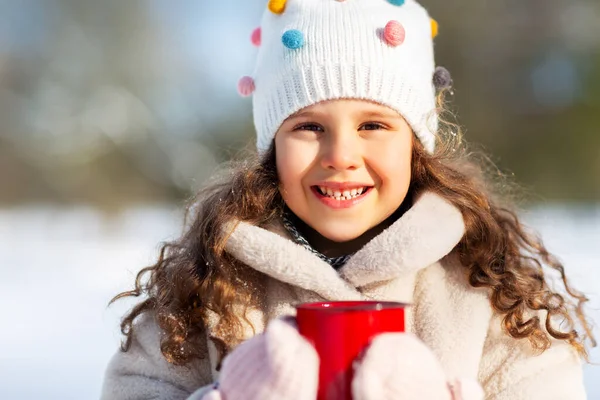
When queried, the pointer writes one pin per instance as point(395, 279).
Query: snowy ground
point(60, 267)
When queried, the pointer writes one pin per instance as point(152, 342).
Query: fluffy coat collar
point(426, 233)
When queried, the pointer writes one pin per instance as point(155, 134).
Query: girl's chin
point(340, 235)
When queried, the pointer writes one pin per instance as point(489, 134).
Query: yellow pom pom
point(277, 6)
point(434, 28)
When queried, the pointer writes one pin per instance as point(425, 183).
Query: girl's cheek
point(390, 157)
point(296, 158)
point(291, 168)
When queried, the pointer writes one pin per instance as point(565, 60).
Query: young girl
point(355, 194)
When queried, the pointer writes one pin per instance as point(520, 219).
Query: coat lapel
point(286, 261)
point(426, 233)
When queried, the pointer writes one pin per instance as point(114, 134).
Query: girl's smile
point(338, 195)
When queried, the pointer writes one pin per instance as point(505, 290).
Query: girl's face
point(344, 166)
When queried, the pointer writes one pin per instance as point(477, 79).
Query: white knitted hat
point(316, 50)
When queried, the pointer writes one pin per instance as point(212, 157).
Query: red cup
point(340, 331)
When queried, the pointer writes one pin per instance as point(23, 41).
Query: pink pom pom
point(394, 33)
point(246, 86)
point(255, 38)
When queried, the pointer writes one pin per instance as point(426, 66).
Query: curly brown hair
point(195, 277)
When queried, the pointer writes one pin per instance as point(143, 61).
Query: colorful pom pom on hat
point(442, 78)
point(246, 86)
point(311, 51)
point(435, 28)
point(394, 33)
point(277, 6)
point(256, 37)
point(293, 39)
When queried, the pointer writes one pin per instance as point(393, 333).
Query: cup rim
point(351, 305)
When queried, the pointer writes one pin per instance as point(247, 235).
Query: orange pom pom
point(277, 6)
point(434, 28)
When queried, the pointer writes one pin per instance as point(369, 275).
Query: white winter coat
point(409, 262)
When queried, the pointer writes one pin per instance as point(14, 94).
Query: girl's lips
point(340, 204)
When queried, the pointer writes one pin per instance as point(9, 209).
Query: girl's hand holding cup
point(400, 366)
point(278, 364)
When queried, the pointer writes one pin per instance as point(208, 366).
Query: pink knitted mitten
point(278, 364)
point(400, 366)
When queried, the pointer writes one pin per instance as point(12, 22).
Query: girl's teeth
point(342, 195)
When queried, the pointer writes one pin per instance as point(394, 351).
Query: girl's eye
point(309, 127)
point(372, 126)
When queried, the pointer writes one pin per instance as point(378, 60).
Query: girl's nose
point(341, 153)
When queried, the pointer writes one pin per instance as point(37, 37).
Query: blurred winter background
point(112, 112)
